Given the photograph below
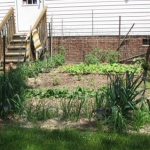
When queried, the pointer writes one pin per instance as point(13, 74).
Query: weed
point(56, 81)
point(40, 110)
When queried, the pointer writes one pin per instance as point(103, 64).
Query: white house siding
point(98, 17)
point(5, 5)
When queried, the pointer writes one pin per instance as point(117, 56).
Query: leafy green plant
point(72, 108)
point(59, 58)
point(40, 110)
point(56, 81)
point(98, 56)
point(123, 97)
point(12, 86)
point(100, 100)
point(75, 105)
point(116, 121)
point(91, 59)
point(140, 118)
point(145, 65)
point(58, 93)
point(111, 56)
point(95, 56)
point(83, 68)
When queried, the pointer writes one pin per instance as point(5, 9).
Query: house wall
point(86, 17)
point(82, 25)
point(5, 5)
point(78, 47)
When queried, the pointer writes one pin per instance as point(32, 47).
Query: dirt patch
point(56, 79)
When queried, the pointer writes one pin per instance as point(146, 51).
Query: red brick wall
point(78, 47)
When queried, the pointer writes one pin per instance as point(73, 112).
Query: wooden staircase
point(15, 51)
point(15, 43)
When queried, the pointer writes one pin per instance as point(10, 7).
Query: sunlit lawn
point(16, 138)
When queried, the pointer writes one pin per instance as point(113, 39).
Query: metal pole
point(52, 35)
point(92, 22)
point(119, 30)
point(49, 37)
point(119, 35)
point(62, 31)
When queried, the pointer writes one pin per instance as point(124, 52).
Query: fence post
point(52, 35)
point(119, 35)
point(119, 30)
point(62, 32)
point(49, 36)
point(92, 22)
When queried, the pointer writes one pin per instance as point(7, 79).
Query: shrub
point(122, 97)
point(98, 56)
point(95, 56)
point(111, 57)
point(59, 57)
point(12, 86)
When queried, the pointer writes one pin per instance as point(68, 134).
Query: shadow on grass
point(16, 138)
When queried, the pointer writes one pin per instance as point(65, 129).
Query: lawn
point(16, 138)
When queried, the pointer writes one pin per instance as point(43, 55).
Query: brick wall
point(78, 47)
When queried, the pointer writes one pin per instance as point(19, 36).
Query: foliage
point(12, 86)
point(95, 56)
point(123, 97)
point(145, 65)
point(58, 93)
point(140, 118)
point(39, 110)
point(111, 56)
point(56, 81)
point(59, 57)
point(74, 103)
point(32, 69)
point(99, 56)
point(82, 68)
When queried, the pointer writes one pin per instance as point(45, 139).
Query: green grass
point(16, 138)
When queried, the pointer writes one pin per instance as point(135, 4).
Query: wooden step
point(16, 47)
point(18, 41)
point(16, 50)
point(15, 53)
point(19, 36)
point(14, 60)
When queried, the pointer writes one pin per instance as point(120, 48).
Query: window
point(146, 41)
point(29, 2)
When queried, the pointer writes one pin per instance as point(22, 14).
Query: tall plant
point(123, 97)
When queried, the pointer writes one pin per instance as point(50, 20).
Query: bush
point(59, 57)
point(123, 98)
point(98, 56)
point(95, 56)
point(12, 86)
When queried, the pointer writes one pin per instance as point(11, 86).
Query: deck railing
point(41, 26)
point(7, 24)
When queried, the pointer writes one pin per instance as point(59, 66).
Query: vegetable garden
point(112, 95)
